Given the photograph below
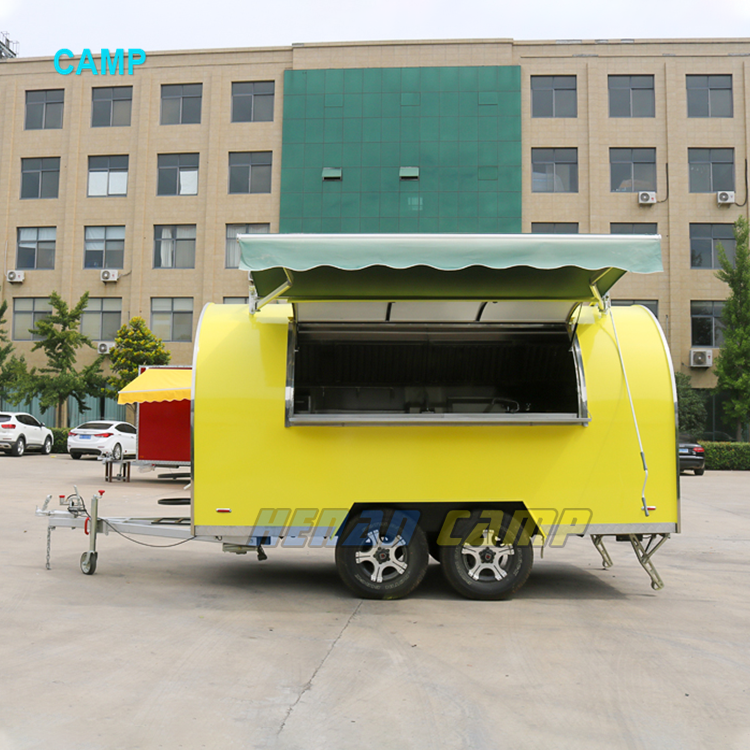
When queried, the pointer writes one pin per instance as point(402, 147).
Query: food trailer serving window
point(438, 328)
point(427, 374)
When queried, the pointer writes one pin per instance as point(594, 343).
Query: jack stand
point(598, 541)
point(261, 554)
point(88, 559)
point(644, 556)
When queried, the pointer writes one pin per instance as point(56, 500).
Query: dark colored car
point(692, 456)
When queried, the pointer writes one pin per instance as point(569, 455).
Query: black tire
point(699, 472)
point(19, 447)
point(47, 447)
point(75, 456)
point(386, 545)
point(88, 563)
point(478, 570)
point(117, 452)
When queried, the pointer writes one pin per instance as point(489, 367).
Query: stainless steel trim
point(432, 419)
point(631, 528)
point(256, 304)
point(583, 401)
point(291, 348)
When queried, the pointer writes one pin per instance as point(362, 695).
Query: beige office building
point(131, 187)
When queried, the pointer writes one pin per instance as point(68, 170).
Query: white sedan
point(20, 431)
point(116, 439)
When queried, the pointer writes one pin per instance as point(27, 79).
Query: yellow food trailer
point(469, 397)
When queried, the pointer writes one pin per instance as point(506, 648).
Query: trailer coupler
point(643, 554)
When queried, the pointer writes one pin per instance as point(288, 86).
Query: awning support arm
point(600, 301)
point(256, 304)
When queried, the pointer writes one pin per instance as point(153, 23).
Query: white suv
point(20, 432)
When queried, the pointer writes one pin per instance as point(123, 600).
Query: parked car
point(20, 432)
point(692, 456)
point(116, 439)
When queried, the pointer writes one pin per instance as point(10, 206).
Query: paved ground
point(192, 648)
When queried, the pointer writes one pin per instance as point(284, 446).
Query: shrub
point(60, 438)
point(727, 456)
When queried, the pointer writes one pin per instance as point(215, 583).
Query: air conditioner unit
point(701, 357)
point(725, 197)
point(104, 347)
point(15, 277)
point(108, 275)
point(646, 197)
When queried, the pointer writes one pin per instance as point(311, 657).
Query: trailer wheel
point(480, 565)
point(88, 563)
point(382, 554)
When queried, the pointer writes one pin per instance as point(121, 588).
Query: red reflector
point(104, 434)
point(223, 510)
point(651, 507)
point(8, 426)
point(699, 449)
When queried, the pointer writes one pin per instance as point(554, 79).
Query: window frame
point(170, 89)
point(45, 168)
point(155, 327)
point(91, 312)
point(182, 167)
point(649, 304)
point(554, 227)
point(695, 238)
point(112, 108)
point(241, 172)
point(633, 225)
point(36, 315)
point(695, 105)
point(177, 250)
point(555, 162)
point(233, 248)
point(23, 266)
point(633, 180)
point(110, 171)
point(694, 176)
point(717, 328)
point(110, 246)
point(633, 102)
point(237, 99)
point(537, 105)
point(46, 106)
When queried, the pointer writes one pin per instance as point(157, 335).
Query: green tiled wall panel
point(460, 126)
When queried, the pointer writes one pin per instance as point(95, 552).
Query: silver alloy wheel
point(487, 562)
point(383, 559)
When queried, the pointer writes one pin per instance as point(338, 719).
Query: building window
point(252, 102)
point(104, 247)
point(44, 109)
point(709, 96)
point(233, 247)
point(704, 244)
point(40, 178)
point(705, 322)
point(632, 169)
point(642, 227)
point(172, 318)
point(108, 175)
point(250, 172)
point(558, 227)
point(181, 103)
point(102, 318)
point(554, 170)
point(236, 300)
point(631, 96)
point(711, 169)
point(36, 247)
point(111, 106)
point(553, 96)
point(178, 174)
point(174, 246)
point(27, 312)
point(649, 304)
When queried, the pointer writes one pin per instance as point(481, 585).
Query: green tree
point(135, 346)
point(12, 368)
point(733, 363)
point(60, 338)
point(691, 407)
